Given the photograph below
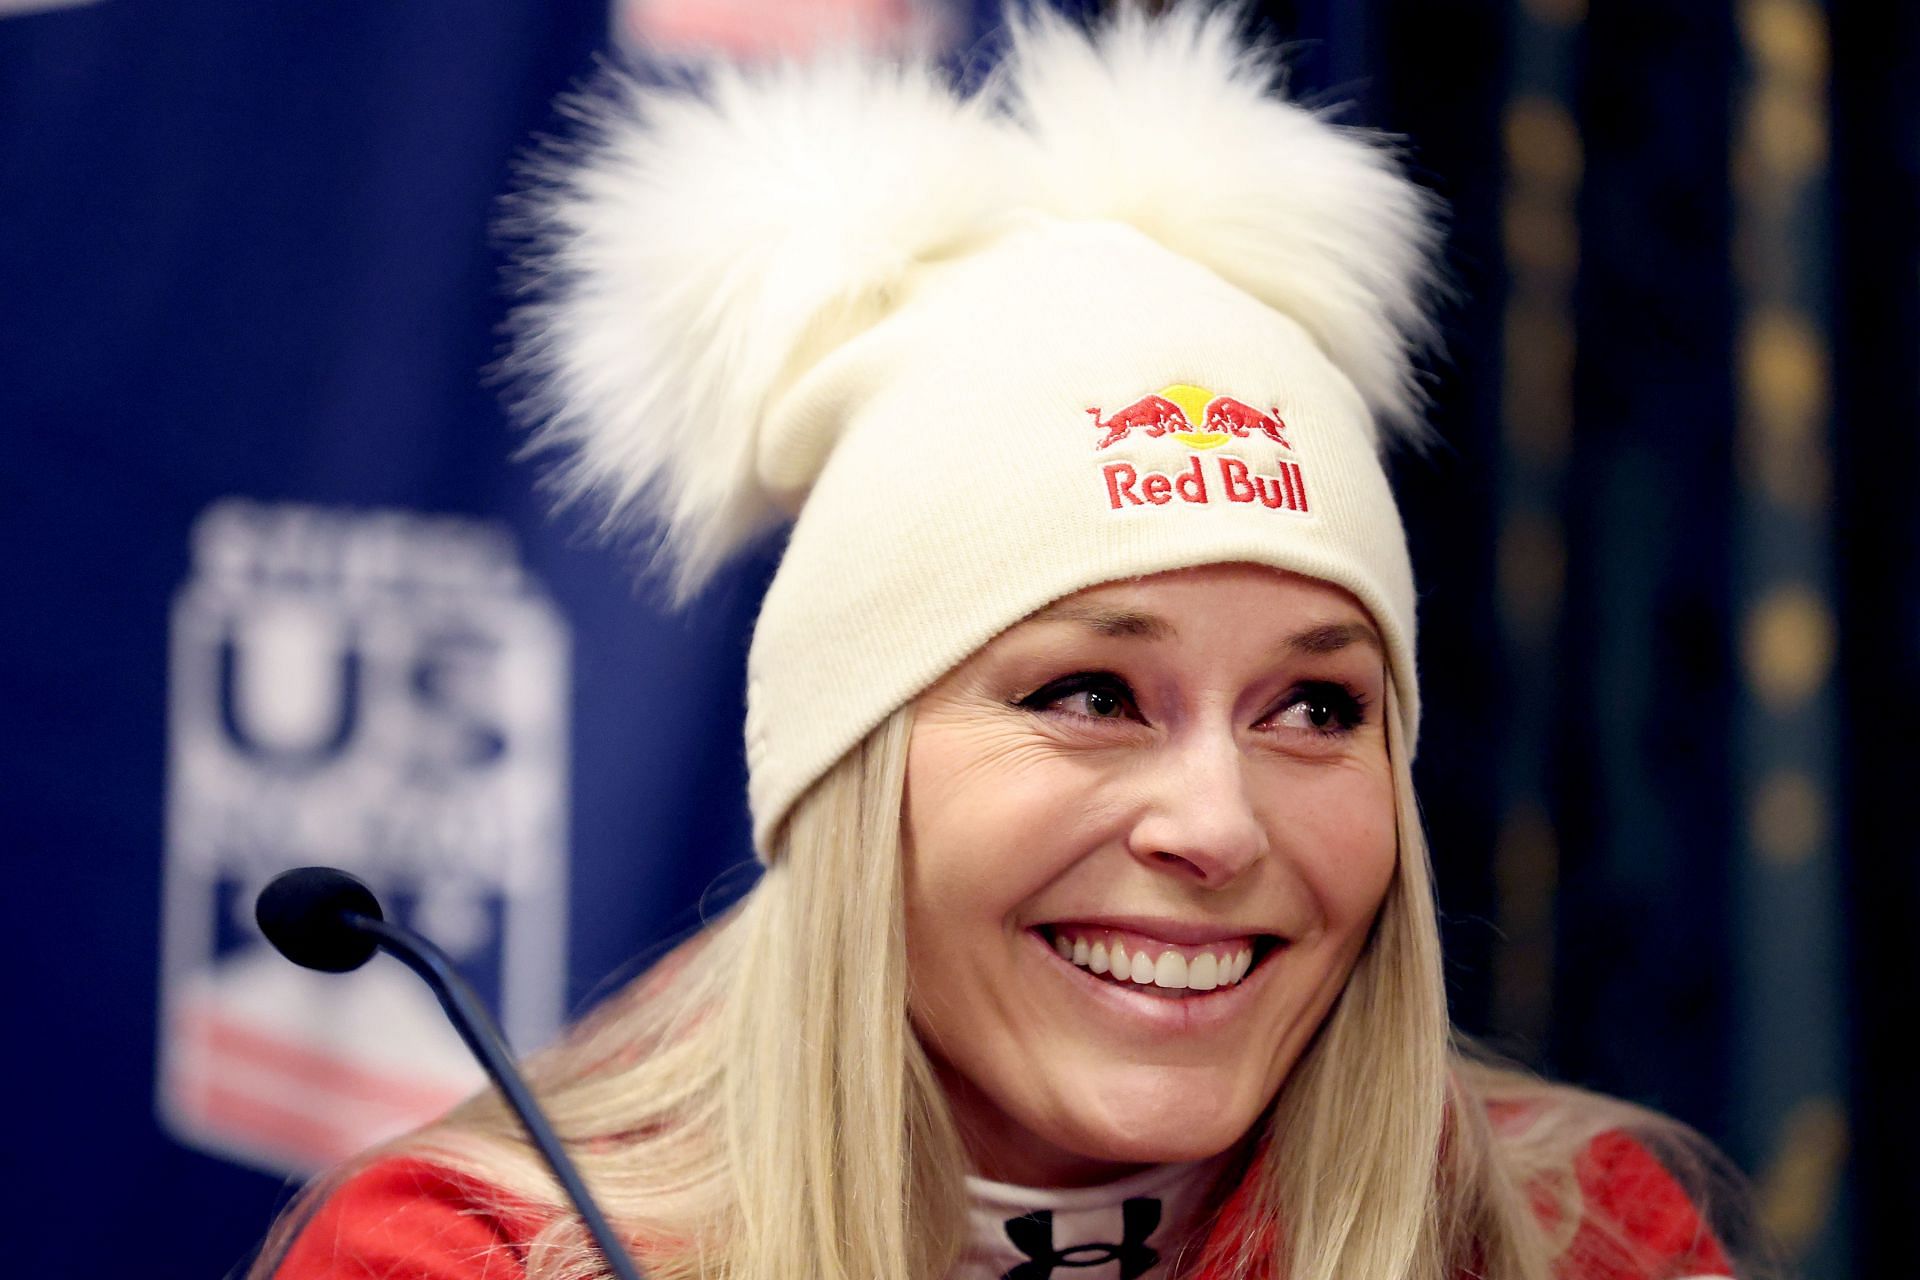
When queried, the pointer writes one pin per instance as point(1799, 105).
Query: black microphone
point(324, 919)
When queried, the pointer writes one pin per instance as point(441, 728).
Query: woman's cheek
point(1348, 841)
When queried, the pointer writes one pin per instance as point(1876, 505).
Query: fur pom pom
point(1171, 124)
point(695, 242)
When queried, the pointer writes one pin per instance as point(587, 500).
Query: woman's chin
point(1152, 1126)
point(1134, 1150)
point(1065, 1115)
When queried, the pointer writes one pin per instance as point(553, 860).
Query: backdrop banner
point(385, 692)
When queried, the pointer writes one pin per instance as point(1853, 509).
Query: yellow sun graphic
point(1193, 402)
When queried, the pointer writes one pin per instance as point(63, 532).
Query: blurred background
point(276, 592)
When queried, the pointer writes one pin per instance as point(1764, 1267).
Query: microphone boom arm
point(476, 1026)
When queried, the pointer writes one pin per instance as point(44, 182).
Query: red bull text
point(1127, 486)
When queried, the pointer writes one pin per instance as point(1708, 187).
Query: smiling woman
point(1096, 933)
point(1148, 833)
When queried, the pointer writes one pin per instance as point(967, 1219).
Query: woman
point(1096, 930)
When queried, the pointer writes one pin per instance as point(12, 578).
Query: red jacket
point(408, 1220)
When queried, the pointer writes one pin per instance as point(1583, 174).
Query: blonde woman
point(1096, 937)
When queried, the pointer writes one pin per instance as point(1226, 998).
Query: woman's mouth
point(1153, 966)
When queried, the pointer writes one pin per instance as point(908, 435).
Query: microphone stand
point(476, 1026)
point(322, 918)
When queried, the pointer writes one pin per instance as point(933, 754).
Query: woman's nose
point(1199, 816)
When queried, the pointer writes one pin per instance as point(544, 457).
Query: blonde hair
point(756, 1107)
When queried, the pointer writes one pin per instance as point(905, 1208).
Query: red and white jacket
point(404, 1219)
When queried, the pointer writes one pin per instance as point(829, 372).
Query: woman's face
point(1189, 770)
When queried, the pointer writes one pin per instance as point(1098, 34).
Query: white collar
point(1125, 1230)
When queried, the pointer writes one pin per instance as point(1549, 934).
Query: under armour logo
point(1032, 1234)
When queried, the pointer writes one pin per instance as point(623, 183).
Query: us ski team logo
point(385, 692)
point(1203, 422)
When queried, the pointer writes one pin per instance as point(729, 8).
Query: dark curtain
point(1667, 559)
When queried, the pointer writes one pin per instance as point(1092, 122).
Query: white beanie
point(1119, 312)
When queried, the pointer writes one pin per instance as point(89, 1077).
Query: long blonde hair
point(756, 1107)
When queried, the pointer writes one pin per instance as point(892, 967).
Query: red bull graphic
point(1202, 421)
point(1192, 415)
point(1224, 413)
point(1153, 415)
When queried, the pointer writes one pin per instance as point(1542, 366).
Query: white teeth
point(1173, 971)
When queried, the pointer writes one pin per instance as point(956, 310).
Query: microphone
point(322, 918)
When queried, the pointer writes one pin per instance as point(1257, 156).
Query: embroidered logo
point(1032, 1235)
point(1201, 420)
point(1192, 415)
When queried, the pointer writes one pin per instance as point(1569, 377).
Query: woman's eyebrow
point(1334, 636)
point(1132, 624)
point(1108, 622)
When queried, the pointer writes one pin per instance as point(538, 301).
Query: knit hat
point(1120, 311)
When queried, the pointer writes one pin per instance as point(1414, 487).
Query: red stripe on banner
point(317, 1070)
point(304, 1138)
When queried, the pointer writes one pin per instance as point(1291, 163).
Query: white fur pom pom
point(1170, 123)
point(697, 242)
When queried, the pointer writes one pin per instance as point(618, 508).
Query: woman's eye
point(1104, 703)
point(1094, 695)
point(1323, 708)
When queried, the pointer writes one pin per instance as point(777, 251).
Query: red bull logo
point(1192, 415)
point(1200, 420)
